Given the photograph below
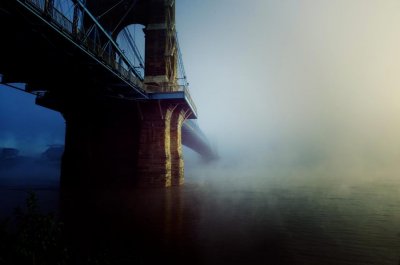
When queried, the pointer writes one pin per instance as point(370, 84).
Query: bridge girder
point(115, 15)
point(111, 12)
point(158, 17)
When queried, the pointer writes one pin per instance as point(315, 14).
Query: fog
point(300, 100)
point(296, 88)
point(282, 88)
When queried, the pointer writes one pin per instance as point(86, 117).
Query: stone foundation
point(177, 168)
point(160, 159)
point(112, 144)
point(101, 144)
point(154, 158)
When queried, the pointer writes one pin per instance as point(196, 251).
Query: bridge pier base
point(110, 143)
point(154, 155)
point(101, 144)
point(177, 164)
point(160, 157)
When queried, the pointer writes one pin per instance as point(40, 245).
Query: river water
point(237, 220)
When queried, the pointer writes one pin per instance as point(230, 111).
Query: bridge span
point(125, 121)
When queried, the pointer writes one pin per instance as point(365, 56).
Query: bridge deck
point(41, 52)
point(68, 66)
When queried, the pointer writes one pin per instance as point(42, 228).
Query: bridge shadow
point(193, 224)
point(144, 226)
point(180, 225)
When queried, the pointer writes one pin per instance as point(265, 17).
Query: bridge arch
point(158, 18)
point(118, 14)
point(131, 40)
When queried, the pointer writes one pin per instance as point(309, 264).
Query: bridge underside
point(38, 55)
point(123, 143)
point(116, 133)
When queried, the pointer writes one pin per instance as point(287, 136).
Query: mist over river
point(243, 218)
point(301, 101)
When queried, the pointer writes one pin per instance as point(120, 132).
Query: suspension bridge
point(126, 103)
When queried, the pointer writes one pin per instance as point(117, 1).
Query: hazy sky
point(292, 92)
point(286, 77)
point(298, 75)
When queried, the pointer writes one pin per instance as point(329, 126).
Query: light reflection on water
point(272, 224)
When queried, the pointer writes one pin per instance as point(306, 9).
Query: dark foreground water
point(233, 221)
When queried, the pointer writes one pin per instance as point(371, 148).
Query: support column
point(101, 144)
point(160, 48)
point(177, 164)
point(119, 144)
point(154, 156)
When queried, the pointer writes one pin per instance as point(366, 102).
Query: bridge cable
point(130, 40)
point(111, 8)
point(124, 16)
point(180, 60)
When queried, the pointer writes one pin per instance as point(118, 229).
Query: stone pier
point(177, 168)
point(154, 157)
point(160, 157)
point(115, 137)
point(101, 143)
point(112, 143)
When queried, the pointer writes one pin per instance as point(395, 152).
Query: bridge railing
point(62, 21)
point(91, 37)
point(188, 97)
point(182, 83)
point(167, 88)
point(39, 4)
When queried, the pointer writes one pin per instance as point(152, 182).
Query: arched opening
point(131, 40)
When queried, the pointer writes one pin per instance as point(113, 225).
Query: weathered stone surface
point(160, 158)
point(177, 164)
point(154, 155)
